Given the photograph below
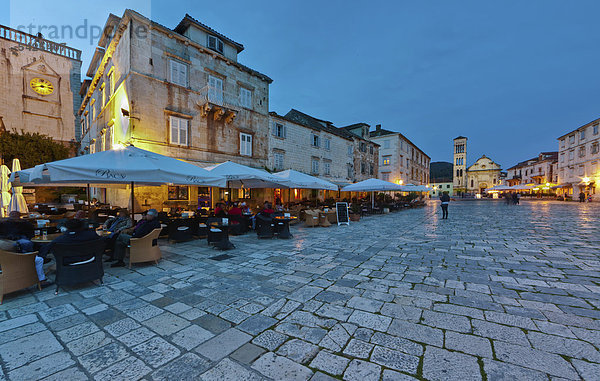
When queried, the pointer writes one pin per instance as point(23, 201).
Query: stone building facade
point(400, 160)
point(483, 174)
point(300, 142)
point(538, 170)
point(578, 158)
point(40, 82)
point(179, 92)
point(366, 152)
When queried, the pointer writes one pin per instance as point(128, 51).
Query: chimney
point(378, 127)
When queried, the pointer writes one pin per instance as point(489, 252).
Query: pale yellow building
point(39, 83)
point(484, 173)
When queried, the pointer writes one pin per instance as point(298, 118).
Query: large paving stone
point(395, 359)
point(281, 368)
point(535, 359)
point(227, 370)
point(186, 367)
point(28, 349)
point(440, 364)
point(223, 344)
point(359, 370)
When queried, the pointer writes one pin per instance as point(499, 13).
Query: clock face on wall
point(41, 86)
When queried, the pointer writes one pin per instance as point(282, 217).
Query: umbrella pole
point(132, 204)
point(88, 199)
point(372, 200)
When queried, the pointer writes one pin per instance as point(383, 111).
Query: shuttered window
point(178, 73)
point(245, 144)
point(179, 130)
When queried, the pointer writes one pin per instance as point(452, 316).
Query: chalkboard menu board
point(341, 210)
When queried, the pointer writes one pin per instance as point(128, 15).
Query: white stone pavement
point(501, 292)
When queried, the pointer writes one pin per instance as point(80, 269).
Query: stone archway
point(482, 187)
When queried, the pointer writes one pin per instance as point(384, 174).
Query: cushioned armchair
point(145, 249)
point(311, 218)
point(18, 272)
point(78, 262)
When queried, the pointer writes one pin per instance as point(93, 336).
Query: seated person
point(15, 235)
point(143, 228)
point(220, 210)
point(267, 209)
point(77, 231)
point(115, 226)
point(14, 228)
point(235, 210)
point(245, 208)
point(278, 205)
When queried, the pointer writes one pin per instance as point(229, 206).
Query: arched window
point(472, 183)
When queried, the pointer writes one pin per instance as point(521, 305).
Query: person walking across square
point(445, 199)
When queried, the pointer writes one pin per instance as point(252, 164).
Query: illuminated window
point(387, 160)
point(178, 193)
point(111, 82)
point(178, 130)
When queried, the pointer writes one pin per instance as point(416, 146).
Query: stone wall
point(22, 109)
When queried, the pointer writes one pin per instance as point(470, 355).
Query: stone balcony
point(217, 104)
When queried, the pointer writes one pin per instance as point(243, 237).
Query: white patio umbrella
point(128, 165)
point(17, 201)
point(372, 185)
point(414, 188)
point(295, 179)
point(241, 176)
point(4, 188)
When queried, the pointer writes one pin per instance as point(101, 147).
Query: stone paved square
point(495, 291)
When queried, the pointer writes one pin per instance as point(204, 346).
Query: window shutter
point(220, 46)
point(183, 132)
point(174, 130)
point(173, 71)
point(242, 142)
point(249, 142)
point(284, 131)
point(182, 74)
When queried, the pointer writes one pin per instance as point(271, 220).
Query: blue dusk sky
point(512, 76)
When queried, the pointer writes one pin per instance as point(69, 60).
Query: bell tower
point(460, 165)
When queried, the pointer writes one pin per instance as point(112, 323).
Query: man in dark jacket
point(445, 199)
point(77, 232)
point(143, 228)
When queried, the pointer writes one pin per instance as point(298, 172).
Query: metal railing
point(218, 97)
point(27, 41)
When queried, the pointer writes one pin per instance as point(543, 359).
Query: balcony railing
point(28, 41)
point(218, 97)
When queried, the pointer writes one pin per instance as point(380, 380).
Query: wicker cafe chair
point(78, 262)
point(145, 249)
point(18, 272)
point(311, 218)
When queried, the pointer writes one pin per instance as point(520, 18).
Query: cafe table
point(49, 238)
point(283, 226)
point(224, 243)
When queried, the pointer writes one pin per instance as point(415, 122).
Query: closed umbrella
point(4, 188)
point(17, 201)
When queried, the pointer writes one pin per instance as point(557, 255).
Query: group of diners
point(19, 235)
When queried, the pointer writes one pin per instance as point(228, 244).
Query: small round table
point(283, 226)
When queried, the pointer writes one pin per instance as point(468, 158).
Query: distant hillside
point(440, 171)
